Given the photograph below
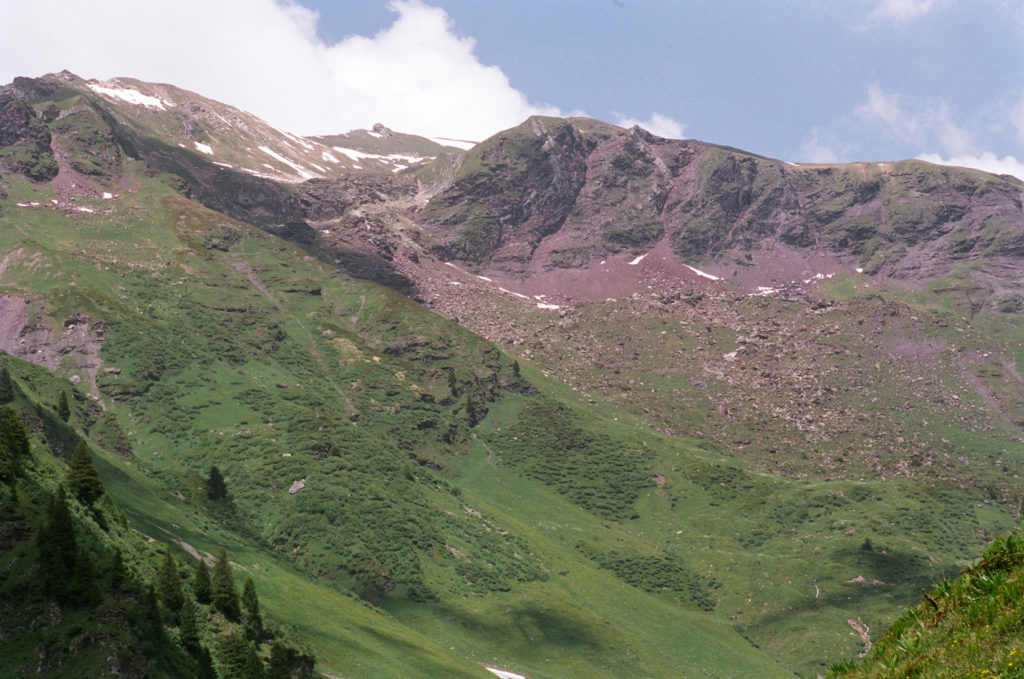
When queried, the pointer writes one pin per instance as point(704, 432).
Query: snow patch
point(305, 144)
point(205, 148)
point(457, 143)
point(376, 135)
point(504, 674)
point(542, 305)
point(637, 260)
point(352, 153)
point(329, 157)
point(859, 270)
point(107, 195)
point(81, 208)
point(514, 293)
point(303, 172)
point(702, 274)
point(131, 96)
point(485, 278)
point(763, 291)
point(818, 277)
point(392, 158)
point(222, 164)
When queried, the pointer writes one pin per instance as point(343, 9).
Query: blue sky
point(800, 80)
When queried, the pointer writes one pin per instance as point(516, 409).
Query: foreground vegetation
point(407, 499)
point(971, 626)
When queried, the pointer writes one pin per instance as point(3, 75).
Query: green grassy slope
point(222, 345)
point(433, 506)
point(968, 626)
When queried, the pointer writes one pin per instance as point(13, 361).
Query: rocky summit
point(575, 400)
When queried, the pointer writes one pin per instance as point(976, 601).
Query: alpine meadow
point(575, 401)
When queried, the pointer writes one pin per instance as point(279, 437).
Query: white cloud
point(417, 75)
point(901, 11)
point(818, 150)
point(929, 126)
point(933, 126)
point(885, 108)
point(1017, 119)
point(657, 124)
point(986, 161)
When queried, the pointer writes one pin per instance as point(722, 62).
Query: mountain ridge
point(650, 428)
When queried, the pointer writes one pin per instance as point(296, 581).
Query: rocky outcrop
point(512, 191)
point(568, 194)
point(26, 138)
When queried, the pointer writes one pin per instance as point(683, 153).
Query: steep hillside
point(968, 626)
point(342, 416)
point(551, 205)
point(705, 444)
point(85, 595)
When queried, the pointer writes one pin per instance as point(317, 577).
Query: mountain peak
point(384, 132)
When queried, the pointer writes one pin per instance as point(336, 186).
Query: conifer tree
point(58, 547)
point(63, 409)
point(238, 659)
point(83, 588)
point(188, 632)
point(82, 476)
point(6, 385)
point(216, 489)
point(152, 623)
point(280, 666)
point(251, 607)
point(116, 573)
point(14, 446)
point(223, 594)
point(168, 583)
point(201, 583)
point(205, 662)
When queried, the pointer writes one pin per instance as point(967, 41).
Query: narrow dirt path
point(245, 269)
point(863, 630)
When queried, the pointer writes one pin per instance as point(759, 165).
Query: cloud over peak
point(417, 75)
point(658, 124)
point(901, 11)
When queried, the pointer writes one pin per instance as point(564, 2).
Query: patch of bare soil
point(72, 349)
point(862, 630)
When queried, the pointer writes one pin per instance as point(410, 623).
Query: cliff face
point(511, 192)
point(567, 195)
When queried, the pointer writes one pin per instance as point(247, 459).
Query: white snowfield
point(701, 273)
point(131, 96)
point(504, 674)
point(637, 260)
point(457, 143)
point(388, 158)
point(205, 148)
point(303, 172)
